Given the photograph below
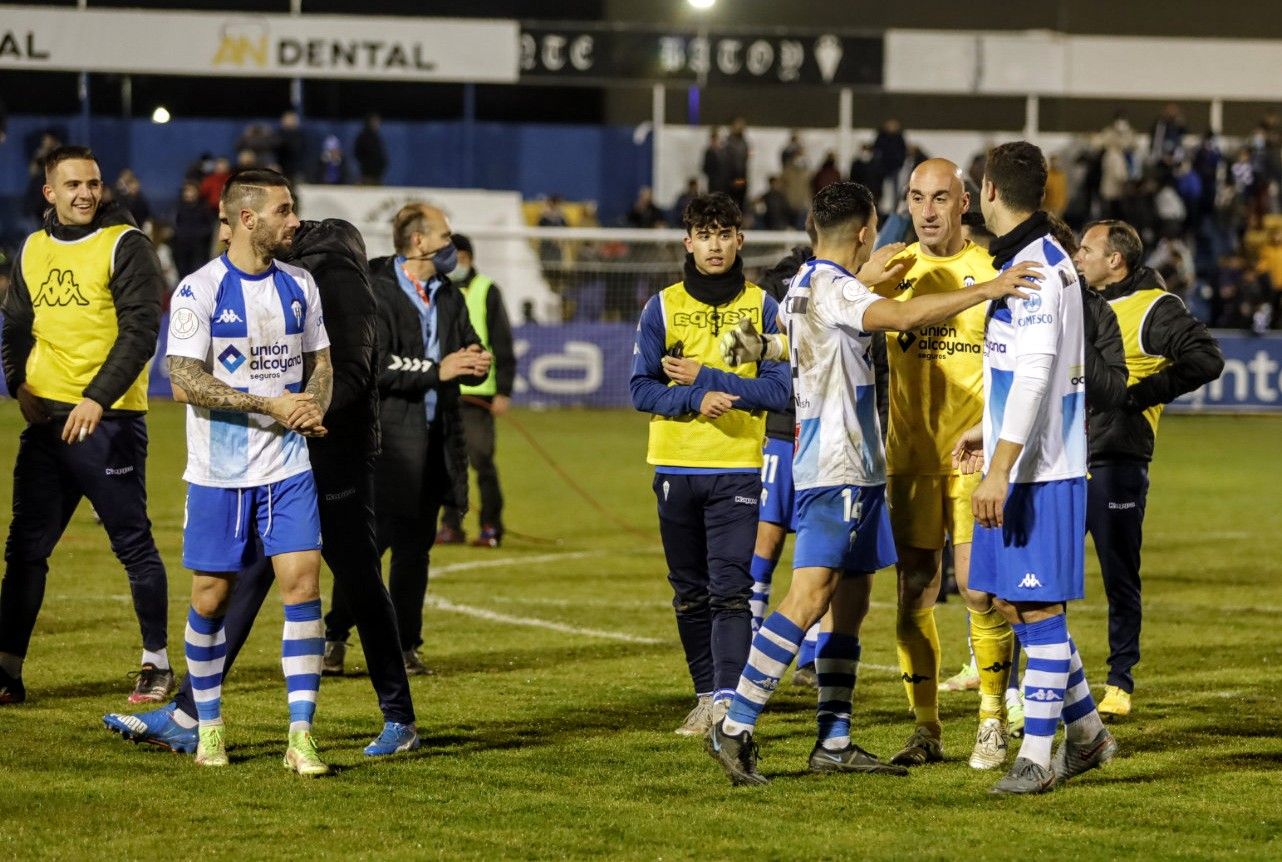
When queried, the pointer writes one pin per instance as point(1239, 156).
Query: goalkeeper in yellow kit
point(936, 394)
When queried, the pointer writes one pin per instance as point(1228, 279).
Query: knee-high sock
point(806, 655)
point(301, 649)
point(836, 664)
point(763, 572)
point(991, 637)
point(1045, 680)
point(773, 649)
point(1081, 721)
point(917, 643)
point(205, 644)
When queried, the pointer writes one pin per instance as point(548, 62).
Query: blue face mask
point(445, 259)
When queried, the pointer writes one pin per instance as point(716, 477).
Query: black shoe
point(1025, 776)
point(852, 758)
point(737, 755)
point(11, 689)
point(1074, 758)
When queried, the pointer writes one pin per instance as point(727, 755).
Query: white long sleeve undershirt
point(1032, 379)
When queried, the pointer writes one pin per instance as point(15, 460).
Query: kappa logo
point(59, 289)
point(186, 292)
point(997, 667)
point(1030, 582)
point(1045, 695)
point(906, 340)
point(231, 358)
point(746, 500)
point(914, 678)
point(228, 316)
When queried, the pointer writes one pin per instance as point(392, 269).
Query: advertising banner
point(167, 42)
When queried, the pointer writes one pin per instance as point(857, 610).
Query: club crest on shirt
point(297, 308)
point(1032, 303)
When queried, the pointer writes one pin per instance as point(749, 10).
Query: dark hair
point(1123, 239)
point(1018, 171)
point(462, 242)
point(841, 204)
point(68, 153)
point(408, 221)
point(1063, 234)
point(716, 209)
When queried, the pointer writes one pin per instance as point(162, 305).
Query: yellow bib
point(734, 439)
point(75, 316)
point(1132, 312)
point(936, 372)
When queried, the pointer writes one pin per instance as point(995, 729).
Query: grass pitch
point(547, 728)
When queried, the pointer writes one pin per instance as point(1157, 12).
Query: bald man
point(427, 348)
point(936, 393)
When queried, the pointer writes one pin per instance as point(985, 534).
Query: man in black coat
point(343, 466)
point(427, 348)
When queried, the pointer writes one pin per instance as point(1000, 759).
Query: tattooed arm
point(318, 371)
point(193, 384)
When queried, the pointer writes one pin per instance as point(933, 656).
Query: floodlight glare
point(702, 4)
point(160, 115)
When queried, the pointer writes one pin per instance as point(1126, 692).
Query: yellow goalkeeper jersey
point(936, 372)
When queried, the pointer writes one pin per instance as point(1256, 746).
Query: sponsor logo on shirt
point(746, 500)
point(228, 316)
point(1127, 505)
point(231, 358)
point(1035, 320)
point(275, 359)
point(936, 342)
point(125, 471)
point(186, 292)
point(716, 319)
point(991, 346)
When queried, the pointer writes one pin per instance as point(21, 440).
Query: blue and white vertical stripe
point(301, 649)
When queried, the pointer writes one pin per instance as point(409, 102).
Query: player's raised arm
point(925, 310)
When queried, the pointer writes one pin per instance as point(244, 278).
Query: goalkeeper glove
point(745, 344)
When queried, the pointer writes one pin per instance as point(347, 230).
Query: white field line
point(503, 562)
point(508, 619)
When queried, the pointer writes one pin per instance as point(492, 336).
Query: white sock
point(185, 721)
point(159, 658)
point(836, 743)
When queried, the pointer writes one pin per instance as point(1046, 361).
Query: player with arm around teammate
point(249, 355)
point(843, 532)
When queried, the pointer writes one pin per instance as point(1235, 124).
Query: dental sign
point(598, 53)
point(254, 46)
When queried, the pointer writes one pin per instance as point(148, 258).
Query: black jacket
point(1105, 353)
point(1123, 434)
point(137, 287)
point(500, 334)
point(334, 253)
point(404, 377)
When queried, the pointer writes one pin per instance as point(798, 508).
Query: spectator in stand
point(1268, 264)
point(644, 213)
point(737, 153)
point(773, 208)
point(211, 187)
point(193, 230)
point(683, 200)
point(333, 164)
point(890, 151)
point(34, 203)
point(1115, 144)
point(1166, 141)
point(865, 170)
point(795, 183)
point(827, 174)
point(289, 145)
point(247, 159)
point(261, 140)
point(161, 234)
point(793, 150)
point(1056, 199)
point(129, 194)
point(371, 155)
point(714, 162)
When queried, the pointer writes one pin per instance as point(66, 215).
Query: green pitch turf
point(548, 724)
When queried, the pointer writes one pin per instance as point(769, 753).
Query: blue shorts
point(777, 500)
point(845, 527)
point(1039, 552)
point(221, 524)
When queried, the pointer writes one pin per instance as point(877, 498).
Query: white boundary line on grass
point(503, 562)
point(495, 617)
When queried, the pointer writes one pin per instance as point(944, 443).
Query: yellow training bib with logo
point(733, 440)
point(75, 315)
point(937, 371)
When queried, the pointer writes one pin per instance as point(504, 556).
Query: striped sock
point(807, 653)
point(1046, 677)
point(301, 648)
point(1081, 721)
point(205, 644)
point(836, 661)
point(763, 572)
point(773, 649)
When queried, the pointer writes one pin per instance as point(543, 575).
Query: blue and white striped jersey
point(1048, 321)
point(838, 432)
point(251, 331)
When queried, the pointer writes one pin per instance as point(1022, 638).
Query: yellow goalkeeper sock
point(917, 643)
point(993, 640)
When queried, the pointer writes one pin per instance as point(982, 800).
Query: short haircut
point(69, 153)
point(410, 219)
point(247, 189)
point(1123, 239)
point(462, 242)
point(842, 204)
point(1062, 233)
point(716, 209)
point(1018, 171)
